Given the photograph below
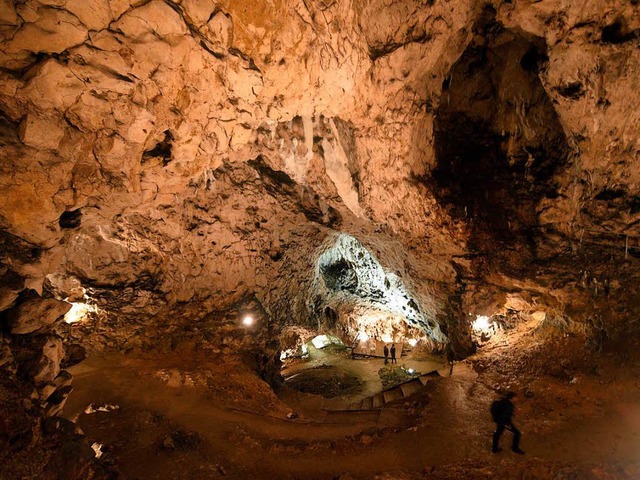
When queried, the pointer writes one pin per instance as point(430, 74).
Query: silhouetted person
point(502, 413)
point(393, 353)
point(386, 354)
point(450, 357)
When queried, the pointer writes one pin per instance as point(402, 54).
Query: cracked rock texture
point(184, 161)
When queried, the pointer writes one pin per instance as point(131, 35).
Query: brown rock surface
point(35, 314)
point(170, 166)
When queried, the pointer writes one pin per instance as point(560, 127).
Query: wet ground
point(581, 426)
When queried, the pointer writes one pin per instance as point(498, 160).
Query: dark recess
point(340, 276)
point(610, 194)
point(161, 150)
point(573, 90)
point(498, 139)
point(617, 33)
point(70, 219)
point(280, 185)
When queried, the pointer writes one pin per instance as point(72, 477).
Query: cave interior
point(319, 239)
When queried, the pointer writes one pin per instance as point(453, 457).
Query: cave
point(319, 240)
point(498, 138)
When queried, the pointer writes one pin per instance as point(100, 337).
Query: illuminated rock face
point(348, 274)
point(184, 159)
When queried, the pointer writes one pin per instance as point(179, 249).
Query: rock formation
point(167, 165)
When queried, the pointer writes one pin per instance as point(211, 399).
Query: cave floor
point(366, 370)
point(574, 422)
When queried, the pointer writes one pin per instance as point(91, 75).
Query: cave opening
point(373, 333)
point(498, 139)
point(356, 295)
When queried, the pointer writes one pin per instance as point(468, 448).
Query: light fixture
point(363, 336)
point(413, 342)
point(247, 321)
point(411, 370)
point(386, 338)
point(78, 312)
point(481, 323)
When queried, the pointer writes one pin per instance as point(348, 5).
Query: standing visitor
point(502, 413)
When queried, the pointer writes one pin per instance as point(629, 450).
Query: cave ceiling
point(180, 160)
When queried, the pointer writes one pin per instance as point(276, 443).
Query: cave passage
point(353, 289)
point(498, 138)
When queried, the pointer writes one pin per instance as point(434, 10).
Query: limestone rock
point(73, 354)
point(6, 357)
point(50, 30)
point(41, 132)
point(36, 314)
point(7, 298)
point(45, 390)
point(55, 401)
point(63, 379)
point(46, 365)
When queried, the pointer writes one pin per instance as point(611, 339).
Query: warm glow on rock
point(79, 312)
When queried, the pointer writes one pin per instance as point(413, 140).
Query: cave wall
point(176, 164)
point(180, 157)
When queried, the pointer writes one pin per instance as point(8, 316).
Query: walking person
point(450, 357)
point(502, 414)
point(386, 354)
point(393, 353)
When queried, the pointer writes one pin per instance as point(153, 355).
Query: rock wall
point(179, 158)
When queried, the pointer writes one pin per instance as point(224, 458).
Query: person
point(393, 353)
point(386, 354)
point(502, 414)
point(450, 357)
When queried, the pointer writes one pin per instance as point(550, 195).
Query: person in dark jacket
point(393, 353)
point(502, 414)
point(386, 354)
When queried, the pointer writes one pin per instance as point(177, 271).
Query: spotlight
point(363, 337)
point(481, 323)
point(78, 312)
point(413, 342)
point(411, 370)
point(247, 321)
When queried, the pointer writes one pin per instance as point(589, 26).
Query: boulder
point(47, 365)
point(56, 401)
point(7, 297)
point(41, 132)
point(36, 314)
point(74, 354)
point(63, 379)
point(45, 390)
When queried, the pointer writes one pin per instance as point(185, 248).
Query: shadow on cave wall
point(498, 139)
